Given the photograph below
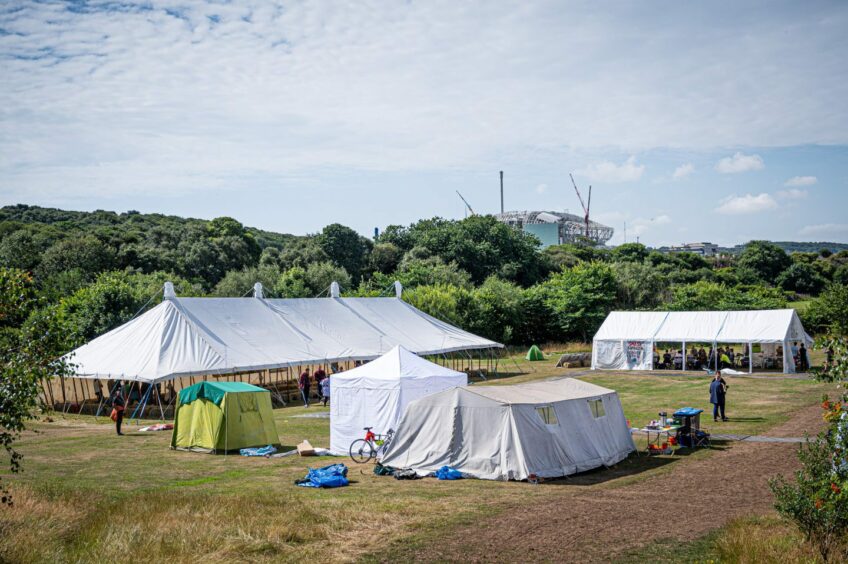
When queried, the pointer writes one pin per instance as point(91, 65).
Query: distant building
point(703, 249)
point(556, 228)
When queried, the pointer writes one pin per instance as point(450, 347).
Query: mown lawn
point(88, 495)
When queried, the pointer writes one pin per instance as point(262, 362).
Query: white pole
point(750, 358)
point(683, 364)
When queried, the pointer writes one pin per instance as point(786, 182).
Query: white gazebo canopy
point(626, 339)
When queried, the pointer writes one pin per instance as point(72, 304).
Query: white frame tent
point(548, 429)
point(626, 339)
point(376, 394)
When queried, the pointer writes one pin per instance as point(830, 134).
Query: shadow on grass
point(634, 465)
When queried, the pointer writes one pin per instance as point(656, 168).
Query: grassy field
point(88, 495)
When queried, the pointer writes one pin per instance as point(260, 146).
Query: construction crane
point(464, 201)
point(584, 205)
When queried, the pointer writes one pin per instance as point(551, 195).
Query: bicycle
point(363, 450)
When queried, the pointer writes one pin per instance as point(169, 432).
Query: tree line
point(85, 273)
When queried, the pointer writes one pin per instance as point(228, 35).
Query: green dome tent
point(535, 354)
point(222, 416)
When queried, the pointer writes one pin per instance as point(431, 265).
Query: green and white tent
point(535, 353)
point(223, 416)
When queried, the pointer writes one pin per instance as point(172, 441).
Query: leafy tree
point(536, 322)
point(840, 275)
point(817, 500)
point(385, 257)
point(829, 312)
point(448, 303)
point(20, 250)
point(430, 271)
point(568, 255)
point(346, 248)
point(88, 254)
point(24, 362)
point(320, 275)
point(497, 310)
point(580, 298)
point(706, 296)
point(293, 284)
point(481, 246)
point(301, 253)
point(640, 286)
point(113, 299)
point(765, 259)
point(629, 252)
point(801, 278)
point(238, 283)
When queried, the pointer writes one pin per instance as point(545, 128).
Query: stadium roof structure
point(206, 336)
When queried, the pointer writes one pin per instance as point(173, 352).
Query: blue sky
point(692, 121)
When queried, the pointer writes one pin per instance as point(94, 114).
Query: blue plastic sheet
point(332, 476)
point(448, 473)
point(258, 451)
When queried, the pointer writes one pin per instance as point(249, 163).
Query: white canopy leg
point(750, 358)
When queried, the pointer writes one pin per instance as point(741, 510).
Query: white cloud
point(739, 163)
point(801, 181)
point(168, 97)
point(609, 172)
point(735, 205)
point(541, 188)
point(793, 194)
point(825, 229)
point(683, 171)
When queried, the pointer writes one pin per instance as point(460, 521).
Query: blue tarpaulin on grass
point(448, 473)
point(332, 476)
point(258, 451)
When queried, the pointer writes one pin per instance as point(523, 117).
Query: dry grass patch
point(763, 540)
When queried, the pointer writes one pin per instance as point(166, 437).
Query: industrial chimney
point(502, 208)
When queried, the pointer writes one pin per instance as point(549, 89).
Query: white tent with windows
point(626, 340)
point(377, 393)
point(545, 429)
point(208, 336)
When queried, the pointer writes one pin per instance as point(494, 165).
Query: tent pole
point(750, 358)
point(64, 397)
point(683, 364)
point(159, 401)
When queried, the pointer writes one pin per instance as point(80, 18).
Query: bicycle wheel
point(361, 451)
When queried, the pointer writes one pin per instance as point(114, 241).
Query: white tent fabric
point(626, 339)
point(547, 429)
point(377, 393)
point(200, 336)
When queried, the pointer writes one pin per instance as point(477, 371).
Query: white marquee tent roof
point(755, 326)
point(389, 370)
point(198, 336)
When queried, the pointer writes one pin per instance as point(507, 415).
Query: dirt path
point(599, 523)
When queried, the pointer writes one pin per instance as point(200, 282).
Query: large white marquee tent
point(548, 429)
point(376, 394)
point(626, 339)
point(207, 336)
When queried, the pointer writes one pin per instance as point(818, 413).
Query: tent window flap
point(597, 407)
point(547, 415)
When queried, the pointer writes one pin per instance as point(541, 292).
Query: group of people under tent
point(699, 358)
point(322, 382)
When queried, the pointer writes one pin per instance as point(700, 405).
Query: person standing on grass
point(802, 358)
point(118, 406)
point(303, 384)
point(325, 389)
point(718, 392)
point(319, 375)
